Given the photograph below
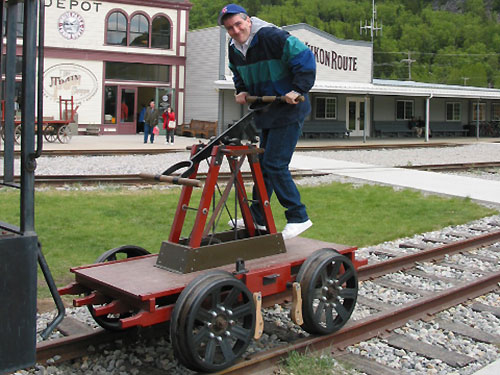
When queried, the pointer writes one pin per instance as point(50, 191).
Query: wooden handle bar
point(270, 99)
point(171, 179)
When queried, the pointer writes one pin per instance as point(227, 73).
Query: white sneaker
point(167, 142)
point(240, 224)
point(292, 230)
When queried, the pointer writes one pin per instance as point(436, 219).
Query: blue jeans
point(279, 144)
point(148, 129)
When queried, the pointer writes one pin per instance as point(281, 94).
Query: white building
point(113, 56)
point(345, 96)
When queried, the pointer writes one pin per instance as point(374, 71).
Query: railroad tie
point(468, 331)
point(429, 351)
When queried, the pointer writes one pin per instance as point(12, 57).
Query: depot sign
point(86, 6)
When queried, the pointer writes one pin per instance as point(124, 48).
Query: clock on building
point(71, 25)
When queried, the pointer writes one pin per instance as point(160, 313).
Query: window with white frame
point(482, 111)
point(326, 108)
point(405, 109)
point(453, 111)
point(495, 111)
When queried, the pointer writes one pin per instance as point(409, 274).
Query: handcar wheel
point(112, 321)
point(329, 291)
point(177, 339)
point(64, 134)
point(50, 133)
point(217, 323)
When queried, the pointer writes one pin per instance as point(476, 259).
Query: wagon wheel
point(64, 134)
point(17, 134)
point(50, 133)
point(112, 321)
point(214, 323)
point(329, 286)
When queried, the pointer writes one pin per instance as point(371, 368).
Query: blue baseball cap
point(230, 9)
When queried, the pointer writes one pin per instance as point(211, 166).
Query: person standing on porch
point(169, 124)
point(150, 121)
point(266, 60)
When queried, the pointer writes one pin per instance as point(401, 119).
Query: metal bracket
point(296, 311)
point(259, 321)
point(240, 267)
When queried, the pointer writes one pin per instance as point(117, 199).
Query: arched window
point(139, 31)
point(117, 29)
point(160, 36)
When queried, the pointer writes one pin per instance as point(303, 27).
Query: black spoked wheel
point(213, 323)
point(112, 321)
point(329, 286)
point(50, 133)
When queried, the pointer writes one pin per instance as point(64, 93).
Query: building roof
point(392, 88)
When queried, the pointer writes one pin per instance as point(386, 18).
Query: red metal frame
point(235, 156)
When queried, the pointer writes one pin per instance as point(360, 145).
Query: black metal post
point(10, 88)
point(28, 164)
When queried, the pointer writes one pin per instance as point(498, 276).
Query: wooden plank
point(437, 240)
point(468, 331)
point(368, 366)
point(414, 245)
point(463, 268)
point(429, 351)
point(402, 287)
point(481, 307)
point(373, 304)
point(430, 276)
point(482, 258)
point(71, 326)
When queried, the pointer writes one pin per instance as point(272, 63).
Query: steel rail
point(455, 166)
point(371, 271)
point(376, 325)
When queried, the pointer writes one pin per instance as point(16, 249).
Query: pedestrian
point(266, 60)
point(169, 124)
point(150, 121)
point(140, 119)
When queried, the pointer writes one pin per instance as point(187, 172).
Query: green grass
point(297, 364)
point(75, 227)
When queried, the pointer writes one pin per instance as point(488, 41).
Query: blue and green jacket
point(275, 64)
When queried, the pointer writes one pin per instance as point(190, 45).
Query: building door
point(126, 110)
point(355, 118)
point(120, 103)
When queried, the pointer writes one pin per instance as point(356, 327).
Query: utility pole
point(409, 61)
point(373, 26)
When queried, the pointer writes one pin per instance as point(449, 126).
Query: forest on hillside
point(441, 41)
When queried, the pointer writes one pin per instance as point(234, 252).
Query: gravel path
point(132, 164)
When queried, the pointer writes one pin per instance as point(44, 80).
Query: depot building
point(346, 99)
point(112, 57)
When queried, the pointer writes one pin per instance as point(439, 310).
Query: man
point(266, 60)
point(150, 121)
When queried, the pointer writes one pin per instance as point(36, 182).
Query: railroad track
point(456, 166)
point(303, 147)
point(380, 323)
point(135, 179)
